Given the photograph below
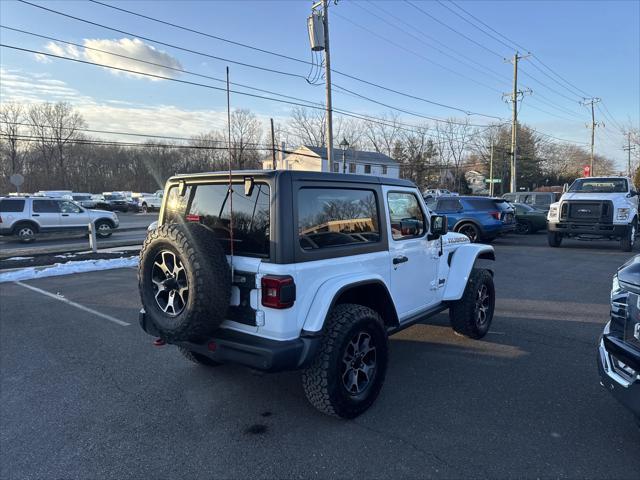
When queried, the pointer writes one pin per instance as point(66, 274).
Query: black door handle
point(400, 259)
point(65, 214)
point(35, 214)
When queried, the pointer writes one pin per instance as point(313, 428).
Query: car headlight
point(553, 213)
point(615, 286)
point(623, 213)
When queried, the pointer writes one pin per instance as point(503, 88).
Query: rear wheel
point(628, 241)
point(472, 314)
point(145, 208)
point(470, 231)
point(554, 239)
point(346, 376)
point(26, 232)
point(198, 358)
point(524, 227)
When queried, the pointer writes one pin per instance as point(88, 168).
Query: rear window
point(210, 206)
point(11, 205)
point(449, 205)
point(482, 203)
point(330, 217)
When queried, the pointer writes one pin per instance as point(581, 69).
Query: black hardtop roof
point(297, 175)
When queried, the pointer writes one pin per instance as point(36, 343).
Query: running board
point(418, 317)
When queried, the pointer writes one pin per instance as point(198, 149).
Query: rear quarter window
point(482, 203)
point(11, 206)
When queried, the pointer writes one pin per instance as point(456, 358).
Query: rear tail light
point(193, 218)
point(495, 215)
point(278, 291)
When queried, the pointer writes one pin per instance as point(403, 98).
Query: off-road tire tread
point(209, 307)
point(315, 378)
point(461, 321)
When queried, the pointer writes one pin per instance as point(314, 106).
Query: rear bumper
point(6, 231)
point(581, 228)
point(231, 346)
point(617, 382)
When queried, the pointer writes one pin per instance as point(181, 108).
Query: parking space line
point(74, 304)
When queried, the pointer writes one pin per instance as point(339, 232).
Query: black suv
point(619, 349)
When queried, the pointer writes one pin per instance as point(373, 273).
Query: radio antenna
point(230, 187)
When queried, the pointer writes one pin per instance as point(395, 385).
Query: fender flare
point(329, 291)
point(462, 261)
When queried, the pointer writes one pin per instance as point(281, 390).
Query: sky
point(427, 49)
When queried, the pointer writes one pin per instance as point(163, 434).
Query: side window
point(176, 205)
point(69, 207)
point(405, 216)
point(329, 217)
point(448, 205)
point(544, 200)
point(46, 206)
point(11, 206)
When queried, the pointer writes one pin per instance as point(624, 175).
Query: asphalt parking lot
point(84, 394)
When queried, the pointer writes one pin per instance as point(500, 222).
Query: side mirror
point(565, 188)
point(439, 226)
point(632, 193)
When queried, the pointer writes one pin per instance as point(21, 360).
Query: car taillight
point(495, 215)
point(278, 291)
point(193, 218)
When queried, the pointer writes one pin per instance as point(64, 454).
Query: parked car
point(150, 201)
point(619, 346)
point(101, 203)
point(596, 207)
point(84, 200)
point(315, 289)
point(539, 200)
point(529, 219)
point(26, 217)
point(437, 192)
point(116, 201)
point(481, 219)
point(66, 194)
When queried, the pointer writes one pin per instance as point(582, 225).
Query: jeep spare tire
point(184, 281)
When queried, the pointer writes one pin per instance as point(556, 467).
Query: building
point(476, 182)
point(314, 159)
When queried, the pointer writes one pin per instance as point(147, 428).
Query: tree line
point(52, 146)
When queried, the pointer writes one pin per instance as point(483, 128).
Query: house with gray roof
point(360, 162)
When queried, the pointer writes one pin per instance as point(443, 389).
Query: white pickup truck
point(149, 202)
point(596, 207)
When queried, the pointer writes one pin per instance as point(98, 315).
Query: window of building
point(336, 167)
point(352, 168)
point(384, 169)
point(367, 168)
point(405, 216)
point(329, 217)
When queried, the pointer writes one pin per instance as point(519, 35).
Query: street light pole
point(344, 145)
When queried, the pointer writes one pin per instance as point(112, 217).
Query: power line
point(454, 30)
point(408, 50)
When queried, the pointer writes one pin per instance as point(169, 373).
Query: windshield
point(599, 185)
point(114, 197)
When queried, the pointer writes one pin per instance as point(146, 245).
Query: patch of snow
point(18, 258)
point(66, 255)
point(68, 268)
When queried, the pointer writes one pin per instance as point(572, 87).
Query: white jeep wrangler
point(594, 208)
point(324, 267)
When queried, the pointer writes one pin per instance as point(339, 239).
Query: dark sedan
point(529, 219)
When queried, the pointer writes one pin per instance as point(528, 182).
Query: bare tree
point(453, 137)
point(383, 135)
point(11, 117)
point(307, 127)
point(246, 134)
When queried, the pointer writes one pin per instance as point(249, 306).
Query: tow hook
point(158, 342)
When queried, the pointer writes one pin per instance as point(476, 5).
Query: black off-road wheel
point(471, 316)
point(346, 376)
point(629, 239)
point(554, 239)
point(184, 281)
point(198, 358)
point(470, 231)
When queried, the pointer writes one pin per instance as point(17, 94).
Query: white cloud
point(42, 58)
point(125, 47)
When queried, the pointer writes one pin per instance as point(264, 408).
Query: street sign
point(587, 171)
point(16, 180)
point(494, 180)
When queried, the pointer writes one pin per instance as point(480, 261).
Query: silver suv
point(27, 216)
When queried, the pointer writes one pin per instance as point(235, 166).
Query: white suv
point(25, 217)
point(596, 207)
point(324, 268)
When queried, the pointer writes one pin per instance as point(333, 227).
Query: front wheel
point(471, 316)
point(103, 229)
point(554, 239)
point(524, 228)
point(347, 374)
point(145, 208)
point(627, 241)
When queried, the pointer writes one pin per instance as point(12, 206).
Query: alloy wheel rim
point(469, 232)
point(103, 227)
point(170, 284)
point(359, 364)
point(482, 305)
point(25, 232)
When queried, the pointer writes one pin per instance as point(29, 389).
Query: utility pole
point(594, 124)
point(513, 97)
point(273, 148)
point(491, 172)
point(628, 149)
